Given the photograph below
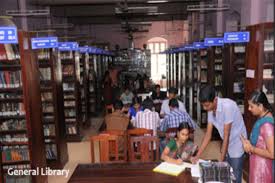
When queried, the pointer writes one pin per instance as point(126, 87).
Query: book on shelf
point(16, 179)
point(66, 55)
point(218, 50)
point(43, 54)
point(15, 153)
point(12, 109)
point(46, 96)
point(69, 103)
point(12, 124)
point(49, 130)
point(51, 151)
point(268, 74)
point(69, 96)
point(239, 49)
point(71, 129)
point(68, 86)
point(14, 138)
point(9, 52)
point(68, 70)
point(45, 74)
point(70, 112)
point(47, 107)
point(10, 79)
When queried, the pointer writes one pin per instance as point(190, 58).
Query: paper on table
point(171, 169)
point(195, 169)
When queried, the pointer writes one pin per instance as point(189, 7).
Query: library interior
point(130, 91)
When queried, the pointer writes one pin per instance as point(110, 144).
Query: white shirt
point(127, 99)
point(165, 109)
point(228, 112)
point(147, 119)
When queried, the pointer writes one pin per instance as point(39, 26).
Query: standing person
point(157, 94)
point(165, 109)
point(226, 116)
point(107, 86)
point(261, 144)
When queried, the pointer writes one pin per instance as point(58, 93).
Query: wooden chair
point(148, 151)
point(139, 132)
point(122, 143)
point(107, 155)
point(170, 133)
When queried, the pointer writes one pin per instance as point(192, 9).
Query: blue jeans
point(237, 165)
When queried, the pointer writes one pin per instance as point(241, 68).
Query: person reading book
point(180, 148)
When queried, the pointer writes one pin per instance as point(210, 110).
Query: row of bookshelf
point(15, 153)
point(10, 79)
point(9, 52)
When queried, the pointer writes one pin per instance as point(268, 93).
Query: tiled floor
point(80, 152)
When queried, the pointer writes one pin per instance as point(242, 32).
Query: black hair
point(184, 125)
point(207, 94)
point(258, 97)
point(173, 103)
point(148, 104)
point(157, 86)
point(173, 90)
point(118, 105)
point(136, 100)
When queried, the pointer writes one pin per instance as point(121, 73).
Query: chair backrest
point(170, 133)
point(144, 149)
point(139, 132)
point(122, 142)
point(106, 152)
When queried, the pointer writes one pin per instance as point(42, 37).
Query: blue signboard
point(199, 45)
point(236, 37)
point(8, 35)
point(68, 46)
point(215, 41)
point(83, 49)
point(189, 47)
point(44, 42)
point(92, 50)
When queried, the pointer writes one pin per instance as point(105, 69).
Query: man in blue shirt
point(226, 116)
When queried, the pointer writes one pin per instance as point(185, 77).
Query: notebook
point(171, 169)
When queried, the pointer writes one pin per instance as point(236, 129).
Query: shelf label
point(236, 37)
point(189, 47)
point(8, 35)
point(68, 46)
point(83, 49)
point(250, 73)
point(216, 41)
point(44, 42)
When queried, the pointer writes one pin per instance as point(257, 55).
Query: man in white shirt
point(225, 115)
point(147, 118)
point(165, 109)
point(127, 97)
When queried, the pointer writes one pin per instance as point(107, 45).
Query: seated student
point(136, 107)
point(117, 120)
point(157, 94)
point(180, 148)
point(127, 97)
point(147, 119)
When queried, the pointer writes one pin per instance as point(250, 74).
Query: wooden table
point(125, 173)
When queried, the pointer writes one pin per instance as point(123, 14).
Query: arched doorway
point(158, 61)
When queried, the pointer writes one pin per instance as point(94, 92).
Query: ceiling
point(103, 11)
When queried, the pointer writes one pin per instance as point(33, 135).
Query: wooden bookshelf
point(28, 153)
point(260, 60)
point(53, 107)
point(188, 82)
point(92, 90)
point(71, 89)
point(195, 83)
point(84, 85)
point(235, 60)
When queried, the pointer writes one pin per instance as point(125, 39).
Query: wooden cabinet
point(52, 107)
point(71, 89)
point(21, 128)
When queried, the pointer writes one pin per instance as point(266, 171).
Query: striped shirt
point(147, 119)
point(174, 118)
